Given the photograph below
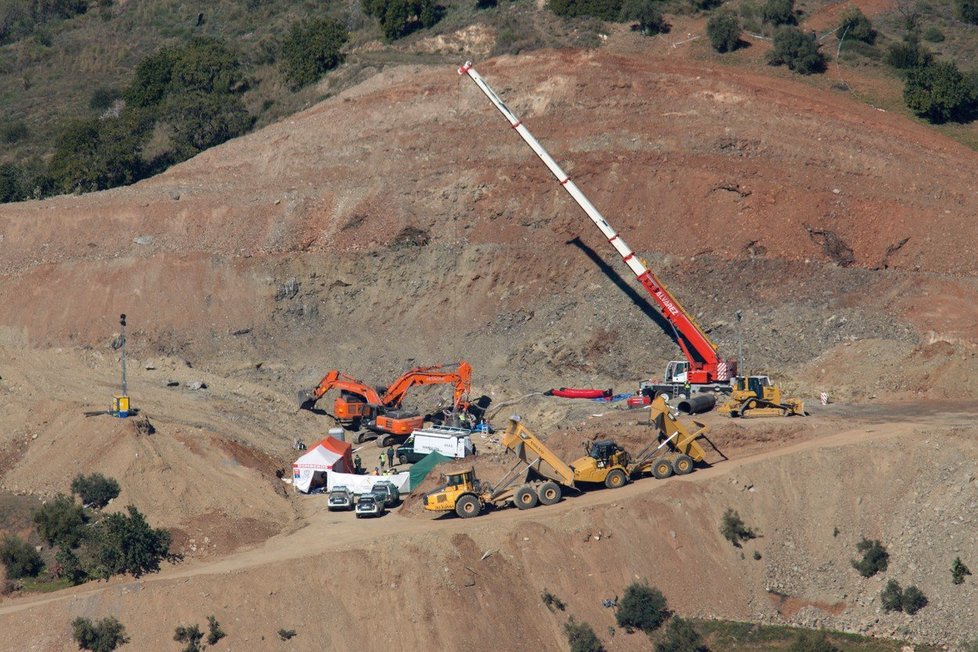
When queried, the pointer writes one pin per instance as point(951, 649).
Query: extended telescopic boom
point(700, 351)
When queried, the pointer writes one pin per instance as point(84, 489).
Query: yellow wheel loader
point(756, 396)
point(541, 477)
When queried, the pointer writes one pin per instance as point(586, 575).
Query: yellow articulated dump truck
point(541, 477)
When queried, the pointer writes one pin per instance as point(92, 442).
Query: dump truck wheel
point(468, 506)
point(662, 469)
point(615, 479)
point(549, 493)
point(683, 464)
point(525, 497)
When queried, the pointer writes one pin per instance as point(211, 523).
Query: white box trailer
point(447, 440)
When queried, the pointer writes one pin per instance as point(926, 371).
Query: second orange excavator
point(378, 410)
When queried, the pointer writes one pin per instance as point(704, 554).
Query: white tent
point(362, 484)
point(311, 469)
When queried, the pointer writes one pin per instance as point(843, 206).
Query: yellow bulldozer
point(756, 396)
point(541, 477)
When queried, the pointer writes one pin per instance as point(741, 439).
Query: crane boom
point(704, 362)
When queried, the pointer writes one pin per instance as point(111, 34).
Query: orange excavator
point(379, 409)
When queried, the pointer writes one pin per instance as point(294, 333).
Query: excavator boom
point(700, 351)
point(336, 380)
point(461, 378)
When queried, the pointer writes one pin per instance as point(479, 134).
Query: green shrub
point(103, 97)
point(11, 183)
point(647, 14)
point(891, 597)
point(959, 571)
point(61, 520)
point(95, 490)
point(933, 34)
point(398, 18)
point(854, 24)
point(809, 641)
point(311, 49)
point(13, 132)
point(966, 11)
point(723, 29)
point(20, 558)
point(875, 558)
point(779, 12)
point(603, 9)
point(151, 81)
point(681, 636)
point(705, 5)
point(939, 92)
point(214, 631)
point(190, 635)
point(642, 607)
point(99, 154)
point(552, 601)
point(581, 637)
point(69, 566)
point(797, 51)
point(907, 55)
point(104, 636)
point(734, 530)
point(126, 544)
point(913, 600)
point(286, 634)
point(202, 120)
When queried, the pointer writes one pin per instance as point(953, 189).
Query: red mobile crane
point(703, 369)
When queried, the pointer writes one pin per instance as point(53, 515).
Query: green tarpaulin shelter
point(422, 468)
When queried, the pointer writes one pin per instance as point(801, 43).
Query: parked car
point(370, 505)
point(405, 453)
point(340, 498)
point(386, 491)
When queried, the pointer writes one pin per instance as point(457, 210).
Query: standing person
point(390, 456)
point(358, 465)
point(383, 460)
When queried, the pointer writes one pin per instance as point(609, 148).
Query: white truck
point(447, 440)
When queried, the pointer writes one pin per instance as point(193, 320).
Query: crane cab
point(677, 371)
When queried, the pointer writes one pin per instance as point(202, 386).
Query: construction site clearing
point(866, 432)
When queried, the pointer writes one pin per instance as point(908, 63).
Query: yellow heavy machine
point(756, 396)
point(541, 477)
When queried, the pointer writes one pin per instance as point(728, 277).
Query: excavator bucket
point(307, 400)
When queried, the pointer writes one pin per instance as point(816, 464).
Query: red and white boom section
point(700, 351)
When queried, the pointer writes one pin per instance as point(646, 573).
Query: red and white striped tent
point(330, 454)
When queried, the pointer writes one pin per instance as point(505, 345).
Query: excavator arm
point(461, 378)
point(336, 380)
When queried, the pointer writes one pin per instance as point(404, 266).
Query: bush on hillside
point(913, 600)
point(779, 12)
point(61, 521)
point(809, 641)
point(907, 55)
point(723, 29)
point(398, 18)
point(854, 24)
point(647, 14)
point(603, 9)
point(734, 530)
point(69, 566)
point(705, 5)
point(95, 490)
point(875, 558)
point(966, 11)
point(643, 607)
point(20, 558)
point(98, 154)
point(126, 544)
point(190, 635)
point(214, 631)
point(11, 184)
point(797, 51)
point(104, 636)
point(959, 571)
point(681, 636)
point(891, 596)
point(581, 637)
point(311, 49)
point(933, 34)
point(939, 93)
point(200, 120)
